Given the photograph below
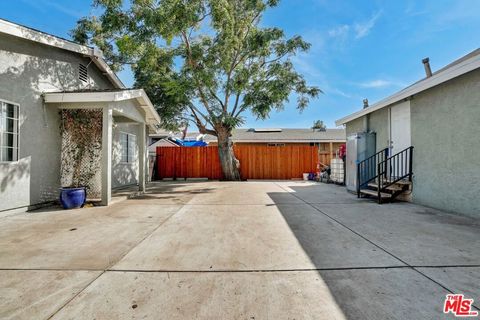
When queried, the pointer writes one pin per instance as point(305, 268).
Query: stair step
point(401, 182)
point(393, 187)
point(375, 193)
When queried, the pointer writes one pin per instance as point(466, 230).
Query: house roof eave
point(444, 75)
point(30, 34)
point(152, 118)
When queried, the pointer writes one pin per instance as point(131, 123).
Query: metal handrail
point(367, 169)
point(395, 168)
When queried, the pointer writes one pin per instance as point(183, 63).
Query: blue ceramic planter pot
point(71, 198)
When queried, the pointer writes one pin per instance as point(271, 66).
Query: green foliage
point(205, 61)
point(81, 131)
point(318, 124)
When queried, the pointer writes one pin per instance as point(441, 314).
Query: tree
point(318, 124)
point(201, 61)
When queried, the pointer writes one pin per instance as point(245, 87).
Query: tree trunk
point(230, 164)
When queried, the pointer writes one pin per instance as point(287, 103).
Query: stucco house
point(42, 74)
point(439, 117)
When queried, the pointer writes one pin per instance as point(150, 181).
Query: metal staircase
point(384, 177)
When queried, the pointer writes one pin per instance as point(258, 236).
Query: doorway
point(400, 133)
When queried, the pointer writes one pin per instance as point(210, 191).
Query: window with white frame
point(128, 144)
point(9, 131)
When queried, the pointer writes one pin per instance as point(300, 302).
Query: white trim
point(17, 147)
point(135, 156)
point(96, 55)
point(151, 116)
point(457, 70)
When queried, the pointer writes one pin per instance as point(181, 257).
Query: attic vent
point(82, 72)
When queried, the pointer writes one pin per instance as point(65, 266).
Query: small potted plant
point(81, 131)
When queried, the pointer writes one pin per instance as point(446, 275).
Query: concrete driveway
point(249, 250)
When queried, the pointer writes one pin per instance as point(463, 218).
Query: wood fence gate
point(256, 161)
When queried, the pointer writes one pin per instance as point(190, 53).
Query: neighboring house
point(158, 135)
point(439, 116)
point(164, 142)
point(41, 74)
point(328, 140)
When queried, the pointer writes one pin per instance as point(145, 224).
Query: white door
point(400, 127)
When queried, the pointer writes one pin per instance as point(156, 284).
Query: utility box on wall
point(360, 146)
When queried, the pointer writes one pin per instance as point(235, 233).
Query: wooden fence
point(188, 162)
point(256, 161)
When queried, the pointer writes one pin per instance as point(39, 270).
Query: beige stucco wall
point(445, 122)
point(355, 126)
point(26, 70)
point(377, 122)
point(445, 133)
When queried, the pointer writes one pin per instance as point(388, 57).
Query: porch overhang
point(88, 98)
point(131, 105)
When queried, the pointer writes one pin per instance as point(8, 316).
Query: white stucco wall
point(124, 174)
point(26, 70)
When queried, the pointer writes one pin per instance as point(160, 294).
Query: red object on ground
point(342, 150)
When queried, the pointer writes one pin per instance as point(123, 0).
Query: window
point(9, 129)
point(82, 73)
point(128, 143)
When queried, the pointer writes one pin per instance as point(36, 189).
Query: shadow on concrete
point(364, 252)
point(179, 192)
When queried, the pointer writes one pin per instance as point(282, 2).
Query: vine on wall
point(81, 131)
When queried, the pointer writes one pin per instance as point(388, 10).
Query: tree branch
point(201, 127)
point(236, 104)
point(217, 98)
point(235, 63)
point(197, 83)
point(195, 111)
point(242, 108)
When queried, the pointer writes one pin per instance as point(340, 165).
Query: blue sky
point(360, 49)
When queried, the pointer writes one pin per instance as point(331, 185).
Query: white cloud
point(363, 29)
point(358, 30)
point(339, 32)
point(305, 66)
point(337, 92)
point(380, 83)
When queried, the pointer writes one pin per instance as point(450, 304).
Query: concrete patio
point(249, 250)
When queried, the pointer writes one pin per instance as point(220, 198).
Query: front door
point(400, 127)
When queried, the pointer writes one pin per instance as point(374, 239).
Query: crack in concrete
point(249, 270)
